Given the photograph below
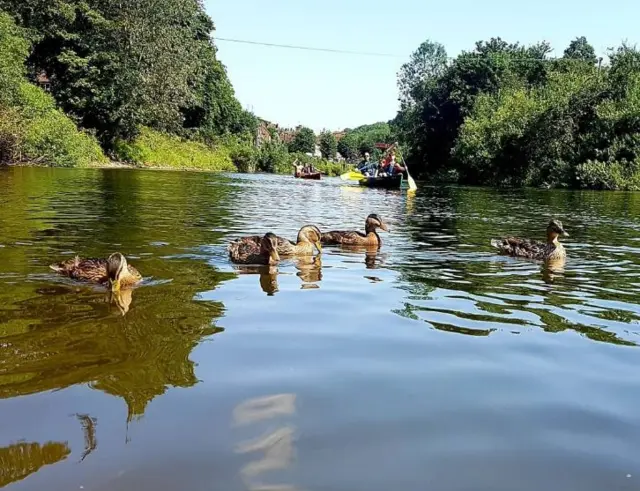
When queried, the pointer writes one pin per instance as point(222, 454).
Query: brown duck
point(531, 249)
point(113, 272)
point(308, 238)
point(244, 250)
point(353, 238)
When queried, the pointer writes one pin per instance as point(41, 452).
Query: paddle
point(412, 183)
point(353, 175)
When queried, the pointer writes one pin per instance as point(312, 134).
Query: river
point(433, 364)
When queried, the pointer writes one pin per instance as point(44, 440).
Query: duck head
point(374, 222)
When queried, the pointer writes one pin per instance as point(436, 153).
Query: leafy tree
point(580, 49)
point(116, 66)
point(304, 141)
point(427, 63)
point(348, 146)
point(328, 145)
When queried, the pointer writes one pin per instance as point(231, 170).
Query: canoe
point(312, 175)
point(393, 182)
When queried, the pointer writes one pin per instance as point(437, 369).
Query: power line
point(307, 48)
point(507, 56)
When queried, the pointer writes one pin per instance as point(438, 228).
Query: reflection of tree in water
point(89, 429)
point(68, 337)
point(20, 460)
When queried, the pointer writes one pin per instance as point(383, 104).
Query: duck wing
point(91, 269)
point(343, 237)
point(519, 247)
point(251, 245)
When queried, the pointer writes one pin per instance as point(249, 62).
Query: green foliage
point(156, 149)
point(505, 115)
point(32, 129)
point(609, 175)
point(328, 145)
point(427, 63)
point(304, 141)
point(117, 66)
point(363, 139)
point(580, 49)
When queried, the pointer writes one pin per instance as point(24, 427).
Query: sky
point(336, 91)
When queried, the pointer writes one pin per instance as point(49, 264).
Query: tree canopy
point(507, 114)
point(328, 145)
point(118, 66)
point(304, 141)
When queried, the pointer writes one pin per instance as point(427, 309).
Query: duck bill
point(318, 246)
point(565, 233)
point(383, 226)
point(274, 255)
point(115, 286)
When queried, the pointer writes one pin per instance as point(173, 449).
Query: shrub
point(611, 176)
point(155, 149)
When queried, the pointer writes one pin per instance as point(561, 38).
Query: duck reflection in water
point(309, 271)
point(553, 270)
point(276, 446)
point(122, 299)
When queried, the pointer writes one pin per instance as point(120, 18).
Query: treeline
point(507, 114)
point(120, 71)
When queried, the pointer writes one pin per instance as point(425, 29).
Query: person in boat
point(390, 167)
point(367, 167)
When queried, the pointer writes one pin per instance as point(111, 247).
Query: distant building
point(42, 79)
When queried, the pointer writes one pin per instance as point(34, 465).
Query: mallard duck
point(531, 249)
point(308, 237)
point(113, 271)
point(244, 250)
point(370, 237)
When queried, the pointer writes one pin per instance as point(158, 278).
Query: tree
point(426, 64)
point(116, 66)
point(348, 146)
point(328, 145)
point(304, 141)
point(580, 49)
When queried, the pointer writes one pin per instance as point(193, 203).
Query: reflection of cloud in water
point(20, 460)
point(261, 408)
point(278, 452)
point(276, 446)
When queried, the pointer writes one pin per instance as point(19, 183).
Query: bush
point(155, 149)
point(32, 129)
point(609, 176)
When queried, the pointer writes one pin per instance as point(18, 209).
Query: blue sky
point(334, 91)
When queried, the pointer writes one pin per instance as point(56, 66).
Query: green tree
point(304, 141)
point(580, 49)
point(348, 146)
point(426, 65)
point(328, 145)
point(116, 66)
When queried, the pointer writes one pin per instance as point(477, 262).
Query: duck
point(531, 249)
point(353, 238)
point(113, 271)
point(308, 239)
point(244, 250)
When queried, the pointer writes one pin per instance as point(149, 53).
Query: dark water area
point(431, 364)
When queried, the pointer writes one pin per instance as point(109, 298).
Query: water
point(434, 364)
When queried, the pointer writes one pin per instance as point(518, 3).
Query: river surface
point(434, 364)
